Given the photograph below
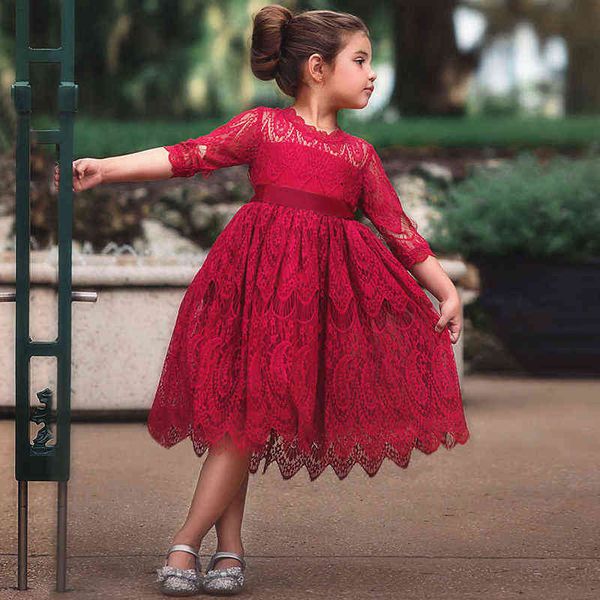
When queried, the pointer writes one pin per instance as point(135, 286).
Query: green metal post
point(36, 460)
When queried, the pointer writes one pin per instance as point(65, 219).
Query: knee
point(226, 444)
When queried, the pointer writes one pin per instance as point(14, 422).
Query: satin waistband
point(293, 197)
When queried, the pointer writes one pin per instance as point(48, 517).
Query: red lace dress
point(303, 336)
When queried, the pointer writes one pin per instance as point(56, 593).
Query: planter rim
point(516, 259)
point(111, 270)
point(106, 269)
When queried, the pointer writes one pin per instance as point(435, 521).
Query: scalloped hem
point(277, 448)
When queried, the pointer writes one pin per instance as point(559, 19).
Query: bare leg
point(229, 528)
point(221, 476)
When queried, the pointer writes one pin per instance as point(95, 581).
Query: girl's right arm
point(233, 143)
point(146, 165)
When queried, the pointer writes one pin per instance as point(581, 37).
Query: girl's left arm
point(381, 204)
point(430, 274)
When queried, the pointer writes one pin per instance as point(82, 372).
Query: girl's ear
point(315, 67)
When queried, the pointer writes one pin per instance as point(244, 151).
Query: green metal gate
point(36, 460)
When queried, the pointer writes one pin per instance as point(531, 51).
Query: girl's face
point(350, 82)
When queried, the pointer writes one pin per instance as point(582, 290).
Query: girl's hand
point(452, 316)
point(87, 173)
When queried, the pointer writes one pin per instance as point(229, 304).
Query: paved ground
point(513, 514)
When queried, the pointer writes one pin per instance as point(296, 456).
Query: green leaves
point(547, 212)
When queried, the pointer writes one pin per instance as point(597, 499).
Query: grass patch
point(109, 137)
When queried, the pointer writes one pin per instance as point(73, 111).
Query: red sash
point(286, 196)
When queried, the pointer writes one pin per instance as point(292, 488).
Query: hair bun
point(268, 34)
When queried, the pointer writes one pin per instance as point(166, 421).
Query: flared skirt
point(305, 340)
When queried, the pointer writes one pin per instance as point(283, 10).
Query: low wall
point(118, 342)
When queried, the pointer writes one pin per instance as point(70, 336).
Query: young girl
point(303, 339)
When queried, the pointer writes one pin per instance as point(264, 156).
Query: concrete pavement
point(515, 513)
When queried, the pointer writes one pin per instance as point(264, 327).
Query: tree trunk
point(582, 34)
point(432, 74)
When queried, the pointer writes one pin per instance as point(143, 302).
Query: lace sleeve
point(380, 203)
point(233, 143)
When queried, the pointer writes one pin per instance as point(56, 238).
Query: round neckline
point(299, 120)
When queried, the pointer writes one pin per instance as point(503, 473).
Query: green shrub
point(524, 209)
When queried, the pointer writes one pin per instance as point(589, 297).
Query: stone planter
point(119, 342)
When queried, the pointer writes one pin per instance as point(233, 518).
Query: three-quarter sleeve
point(233, 143)
point(381, 204)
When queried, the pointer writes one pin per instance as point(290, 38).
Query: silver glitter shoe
point(224, 582)
point(180, 582)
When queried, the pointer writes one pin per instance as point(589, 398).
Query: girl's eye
point(361, 60)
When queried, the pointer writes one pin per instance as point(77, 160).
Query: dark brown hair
point(282, 41)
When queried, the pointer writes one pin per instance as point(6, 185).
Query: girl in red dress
point(303, 339)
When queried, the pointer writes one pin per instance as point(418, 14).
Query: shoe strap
point(185, 548)
point(217, 555)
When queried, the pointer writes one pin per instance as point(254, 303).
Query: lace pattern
point(230, 144)
point(303, 336)
point(381, 205)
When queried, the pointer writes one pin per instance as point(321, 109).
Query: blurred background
point(486, 115)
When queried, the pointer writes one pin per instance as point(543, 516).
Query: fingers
point(78, 174)
point(79, 169)
point(56, 174)
point(453, 329)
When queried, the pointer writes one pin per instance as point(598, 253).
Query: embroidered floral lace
point(303, 336)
